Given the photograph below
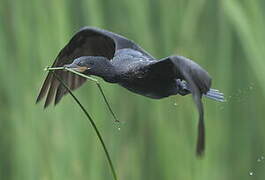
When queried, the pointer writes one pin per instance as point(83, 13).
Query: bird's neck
point(108, 73)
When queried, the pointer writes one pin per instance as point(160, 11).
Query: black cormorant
point(116, 59)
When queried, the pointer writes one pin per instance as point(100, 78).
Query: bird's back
point(128, 60)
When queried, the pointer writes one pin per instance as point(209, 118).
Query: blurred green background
point(157, 138)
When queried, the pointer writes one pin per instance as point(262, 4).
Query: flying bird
point(116, 59)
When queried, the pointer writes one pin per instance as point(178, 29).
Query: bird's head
point(94, 65)
point(89, 64)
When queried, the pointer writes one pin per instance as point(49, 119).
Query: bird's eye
point(79, 63)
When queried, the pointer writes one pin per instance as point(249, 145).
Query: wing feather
point(88, 41)
point(199, 83)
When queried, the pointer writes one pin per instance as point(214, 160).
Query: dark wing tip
point(46, 105)
point(201, 128)
point(38, 99)
point(42, 94)
point(200, 153)
point(201, 140)
point(59, 94)
point(44, 88)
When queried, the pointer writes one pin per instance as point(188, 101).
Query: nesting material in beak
point(77, 68)
point(81, 68)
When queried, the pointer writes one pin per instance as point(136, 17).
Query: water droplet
point(260, 159)
point(175, 104)
point(251, 173)
point(119, 128)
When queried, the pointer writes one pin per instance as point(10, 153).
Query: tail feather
point(215, 95)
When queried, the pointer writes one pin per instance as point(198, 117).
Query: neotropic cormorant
point(116, 59)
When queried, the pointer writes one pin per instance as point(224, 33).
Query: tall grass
point(157, 138)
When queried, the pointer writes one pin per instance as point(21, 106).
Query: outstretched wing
point(198, 80)
point(88, 41)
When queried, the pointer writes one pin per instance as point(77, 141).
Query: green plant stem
point(93, 125)
point(90, 78)
point(105, 99)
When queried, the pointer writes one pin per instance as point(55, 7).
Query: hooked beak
point(77, 68)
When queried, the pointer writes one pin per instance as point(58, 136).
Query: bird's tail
point(215, 95)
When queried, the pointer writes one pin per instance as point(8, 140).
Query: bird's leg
point(87, 77)
point(182, 87)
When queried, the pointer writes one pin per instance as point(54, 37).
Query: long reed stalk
point(93, 125)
